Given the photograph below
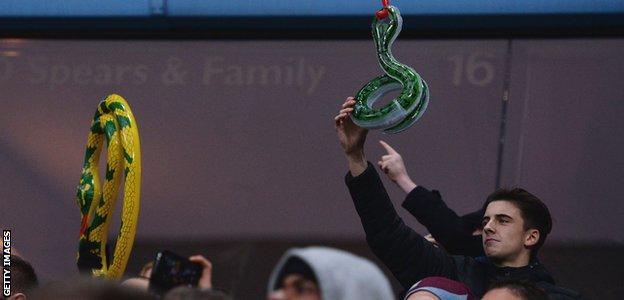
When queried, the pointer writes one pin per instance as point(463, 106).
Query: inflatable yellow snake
point(115, 123)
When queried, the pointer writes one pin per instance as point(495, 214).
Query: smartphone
point(172, 270)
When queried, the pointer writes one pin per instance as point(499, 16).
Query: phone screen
point(172, 270)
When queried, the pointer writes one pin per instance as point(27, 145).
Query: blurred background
point(235, 103)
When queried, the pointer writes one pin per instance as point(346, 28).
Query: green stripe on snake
point(408, 107)
point(114, 122)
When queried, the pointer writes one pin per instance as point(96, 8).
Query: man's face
point(504, 237)
point(296, 287)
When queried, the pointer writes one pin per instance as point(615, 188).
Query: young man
point(457, 235)
point(515, 225)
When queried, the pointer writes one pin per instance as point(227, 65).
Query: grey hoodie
point(341, 275)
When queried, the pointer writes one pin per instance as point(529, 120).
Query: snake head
point(382, 13)
point(386, 29)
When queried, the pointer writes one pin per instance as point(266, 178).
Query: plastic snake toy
point(115, 123)
point(408, 107)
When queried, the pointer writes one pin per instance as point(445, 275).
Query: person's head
point(86, 288)
point(192, 293)
point(319, 273)
point(296, 280)
point(136, 283)
point(23, 278)
point(439, 288)
point(141, 282)
point(515, 226)
point(515, 290)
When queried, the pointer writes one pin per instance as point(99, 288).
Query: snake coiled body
point(114, 123)
point(409, 106)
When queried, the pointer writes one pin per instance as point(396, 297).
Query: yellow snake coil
point(114, 123)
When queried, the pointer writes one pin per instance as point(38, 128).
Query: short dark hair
point(523, 289)
point(23, 277)
point(534, 212)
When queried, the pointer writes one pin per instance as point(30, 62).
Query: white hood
point(341, 275)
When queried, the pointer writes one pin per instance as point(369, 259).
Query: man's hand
point(392, 164)
point(352, 138)
point(205, 281)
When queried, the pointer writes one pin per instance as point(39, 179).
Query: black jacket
point(453, 232)
point(411, 258)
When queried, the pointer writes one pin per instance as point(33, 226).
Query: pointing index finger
point(389, 149)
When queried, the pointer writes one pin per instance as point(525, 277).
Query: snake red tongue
point(404, 110)
point(114, 123)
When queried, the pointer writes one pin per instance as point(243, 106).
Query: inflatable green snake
point(404, 110)
point(115, 123)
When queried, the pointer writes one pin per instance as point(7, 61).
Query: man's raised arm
point(407, 254)
point(449, 230)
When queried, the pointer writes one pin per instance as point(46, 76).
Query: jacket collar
point(534, 271)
